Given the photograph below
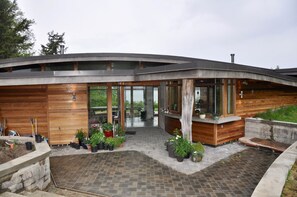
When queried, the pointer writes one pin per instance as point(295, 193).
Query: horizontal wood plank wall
point(65, 116)
point(259, 96)
point(20, 103)
point(229, 131)
point(204, 133)
point(171, 124)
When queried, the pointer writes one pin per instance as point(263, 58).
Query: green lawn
point(287, 114)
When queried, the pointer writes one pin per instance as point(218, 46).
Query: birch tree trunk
point(187, 108)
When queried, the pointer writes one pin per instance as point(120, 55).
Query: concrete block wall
point(35, 176)
point(279, 131)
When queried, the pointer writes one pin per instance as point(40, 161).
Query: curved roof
point(175, 67)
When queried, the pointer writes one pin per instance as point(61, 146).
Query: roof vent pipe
point(62, 49)
point(232, 57)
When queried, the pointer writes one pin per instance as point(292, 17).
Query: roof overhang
point(176, 68)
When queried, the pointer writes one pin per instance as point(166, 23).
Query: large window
point(174, 96)
point(208, 96)
point(215, 97)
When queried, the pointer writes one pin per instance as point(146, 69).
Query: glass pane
point(98, 104)
point(230, 97)
point(173, 94)
point(115, 101)
point(124, 65)
point(208, 96)
point(92, 66)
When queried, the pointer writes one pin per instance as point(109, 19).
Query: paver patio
point(150, 141)
point(131, 173)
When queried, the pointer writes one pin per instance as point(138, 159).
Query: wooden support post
point(122, 104)
point(132, 103)
point(109, 102)
point(187, 108)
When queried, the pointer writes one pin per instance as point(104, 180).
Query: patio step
point(264, 143)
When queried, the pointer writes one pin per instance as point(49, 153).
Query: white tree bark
point(187, 108)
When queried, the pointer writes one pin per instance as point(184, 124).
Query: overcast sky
point(261, 33)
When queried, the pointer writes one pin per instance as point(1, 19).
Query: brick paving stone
point(131, 173)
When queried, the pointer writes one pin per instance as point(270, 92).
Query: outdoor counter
point(209, 131)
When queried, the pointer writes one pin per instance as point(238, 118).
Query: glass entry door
point(141, 106)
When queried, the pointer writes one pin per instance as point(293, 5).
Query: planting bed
point(7, 154)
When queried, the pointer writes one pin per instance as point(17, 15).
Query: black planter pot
point(84, 145)
point(166, 145)
point(100, 146)
point(111, 147)
point(79, 142)
point(106, 147)
point(188, 156)
point(94, 149)
point(171, 150)
point(38, 138)
point(179, 159)
point(76, 146)
point(29, 145)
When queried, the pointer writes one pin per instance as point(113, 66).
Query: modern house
point(72, 91)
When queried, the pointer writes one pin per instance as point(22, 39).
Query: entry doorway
point(141, 106)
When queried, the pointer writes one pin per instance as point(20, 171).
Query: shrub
point(80, 134)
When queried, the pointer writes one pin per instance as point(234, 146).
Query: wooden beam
point(187, 108)
point(140, 83)
point(109, 102)
point(122, 104)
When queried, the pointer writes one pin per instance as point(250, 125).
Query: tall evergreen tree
point(16, 37)
point(55, 44)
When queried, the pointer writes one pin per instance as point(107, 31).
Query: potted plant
point(181, 149)
point(196, 156)
point(198, 152)
point(29, 145)
point(94, 141)
point(202, 115)
point(170, 146)
point(107, 129)
point(87, 142)
point(101, 138)
point(188, 148)
point(118, 141)
point(110, 143)
point(216, 116)
point(80, 135)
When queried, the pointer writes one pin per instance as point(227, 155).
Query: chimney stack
point(62, 49)
point(232, 57)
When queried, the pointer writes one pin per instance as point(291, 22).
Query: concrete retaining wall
point(36, 176)
point(279, 131)
point(274, 179)
point(29, 172)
